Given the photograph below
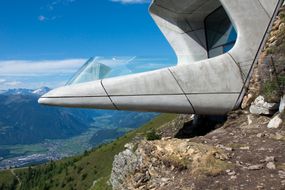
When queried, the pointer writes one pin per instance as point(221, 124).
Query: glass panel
point(100, 68)
point(228, 47)
point(91, 70)
point(219, 32)
point(216, 51)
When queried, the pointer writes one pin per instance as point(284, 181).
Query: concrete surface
point(197, 84)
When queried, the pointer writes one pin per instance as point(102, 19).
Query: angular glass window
point(99, 68)
point(90, 71)
point(220, 33)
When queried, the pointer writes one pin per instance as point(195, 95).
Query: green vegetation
point(273, 83)
point(92, 169)
point(152, 135)
point(274, 86)
point(8, 180)
point(270, 89)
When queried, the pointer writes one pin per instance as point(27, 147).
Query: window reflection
point(220, 33)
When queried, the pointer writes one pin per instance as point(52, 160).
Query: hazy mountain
point(41, 91)
point(24, 91)
point(18, 91)
point(24, 121)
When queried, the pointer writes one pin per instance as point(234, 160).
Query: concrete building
point(216, 42)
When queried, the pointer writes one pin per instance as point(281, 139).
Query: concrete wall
point(197, 84)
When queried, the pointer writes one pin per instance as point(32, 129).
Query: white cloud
point(131, 1)
point(33, 68)
point(41, 18)
point(53, 4)
point(13, 83)
point(50, 7)
point(2, 80)
point(54, 73)
point(9, 84)
point(51, 73)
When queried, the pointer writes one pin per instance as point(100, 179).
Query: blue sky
point(42, 42)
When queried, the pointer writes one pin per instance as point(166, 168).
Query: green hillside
point(89, 171)
point(7, 180)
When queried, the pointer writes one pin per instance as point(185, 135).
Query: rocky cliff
point(244, 150)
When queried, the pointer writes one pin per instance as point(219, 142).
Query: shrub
point(83, 177)
point(79, 169)
point(152, 135)
point(270, 90)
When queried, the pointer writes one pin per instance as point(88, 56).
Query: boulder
point(271, 165)
point(275, 123)
point(261, 107)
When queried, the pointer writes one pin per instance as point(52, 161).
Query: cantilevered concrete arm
point(197, 84)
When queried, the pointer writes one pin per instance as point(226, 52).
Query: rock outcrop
point(124, 164)
point(156, 164)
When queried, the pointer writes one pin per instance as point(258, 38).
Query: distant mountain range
point(23, 91)
point(24, 121)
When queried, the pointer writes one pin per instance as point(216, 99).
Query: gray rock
point(165, 179)
point(129, 146)
point(269, 159)
point(244, 148)
point(255, 167)
point(281, 174)
point(260, 107)
point(224, 147)
point(233, 177)
point(231, 173)
point(275, 123)
point(124, 164)
point(271, 165)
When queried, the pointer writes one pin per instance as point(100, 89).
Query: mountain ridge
point(24, 121)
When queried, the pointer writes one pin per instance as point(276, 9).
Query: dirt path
point(17, 177)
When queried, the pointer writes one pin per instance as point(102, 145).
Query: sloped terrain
point(242, 151)
point(92, 169)
point(242, 154)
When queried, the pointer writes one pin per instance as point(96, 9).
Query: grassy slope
point(81, 171)
point(8, 180)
